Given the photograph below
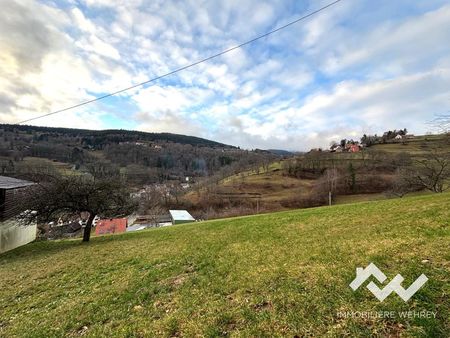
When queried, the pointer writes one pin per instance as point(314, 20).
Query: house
point(181, 216)
point(333, 147)
point(12, 234)
point(354, 148)
point(71, 229)
point(137, 227)
point(111, 226)
point(398, 137)
point(141, 222)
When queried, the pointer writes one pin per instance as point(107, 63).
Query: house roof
point(13, 183)
point(181, 215)
point(111, 226)
point(136, 227)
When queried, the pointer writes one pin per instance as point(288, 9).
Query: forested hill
point(140, 157)
point(99, 138)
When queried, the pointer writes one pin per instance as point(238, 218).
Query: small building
point(64, 230)
point(137, 227)
point(354, 148)
point(398, 137)
point(181, 216)
point(141, 222)
point(154, 220)
point(111, 226)
point(12, 233)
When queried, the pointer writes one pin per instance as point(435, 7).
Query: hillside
point(141, 158)
point(417, 146)
point(301, 181)
point(102, 137)
point(282, 274)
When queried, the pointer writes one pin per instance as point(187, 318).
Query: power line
point(184, 67)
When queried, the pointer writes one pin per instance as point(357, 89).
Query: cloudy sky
point(358, 67)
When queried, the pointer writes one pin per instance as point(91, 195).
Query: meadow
point(279, 274)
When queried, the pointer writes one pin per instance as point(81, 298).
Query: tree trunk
point(87, 229)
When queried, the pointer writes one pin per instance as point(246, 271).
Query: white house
point(181, 216)
point(12, 234)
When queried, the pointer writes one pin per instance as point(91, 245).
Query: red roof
point(354, 148)
point(111, 226)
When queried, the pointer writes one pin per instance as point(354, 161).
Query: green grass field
point(280, 274)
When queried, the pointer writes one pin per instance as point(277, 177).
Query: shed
point(181, 216)
point(12, 234)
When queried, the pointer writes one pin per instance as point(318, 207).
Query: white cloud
point(353, 108)
point(170, 122)
point(156, 101)
point(390, 49)
point(356, 67)
point(81, 21)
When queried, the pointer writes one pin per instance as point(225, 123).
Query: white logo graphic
point(393, 286)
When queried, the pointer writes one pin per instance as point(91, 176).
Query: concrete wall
point(13, 235)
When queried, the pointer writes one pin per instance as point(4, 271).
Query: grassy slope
point(276, 274)
point(272, 186)
point(417, 146)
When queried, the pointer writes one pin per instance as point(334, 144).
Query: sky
point(358, 67)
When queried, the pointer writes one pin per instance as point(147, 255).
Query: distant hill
point(143, 158)
point(280, 152)
point(117, 135)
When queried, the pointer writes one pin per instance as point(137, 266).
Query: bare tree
point(332, 177)
point(441, 123)
point(364, 156)
point(266, 165)
point(433, 172)
point(402, 183)
point(174, 192)
point(57, 196)
point(151, 203)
